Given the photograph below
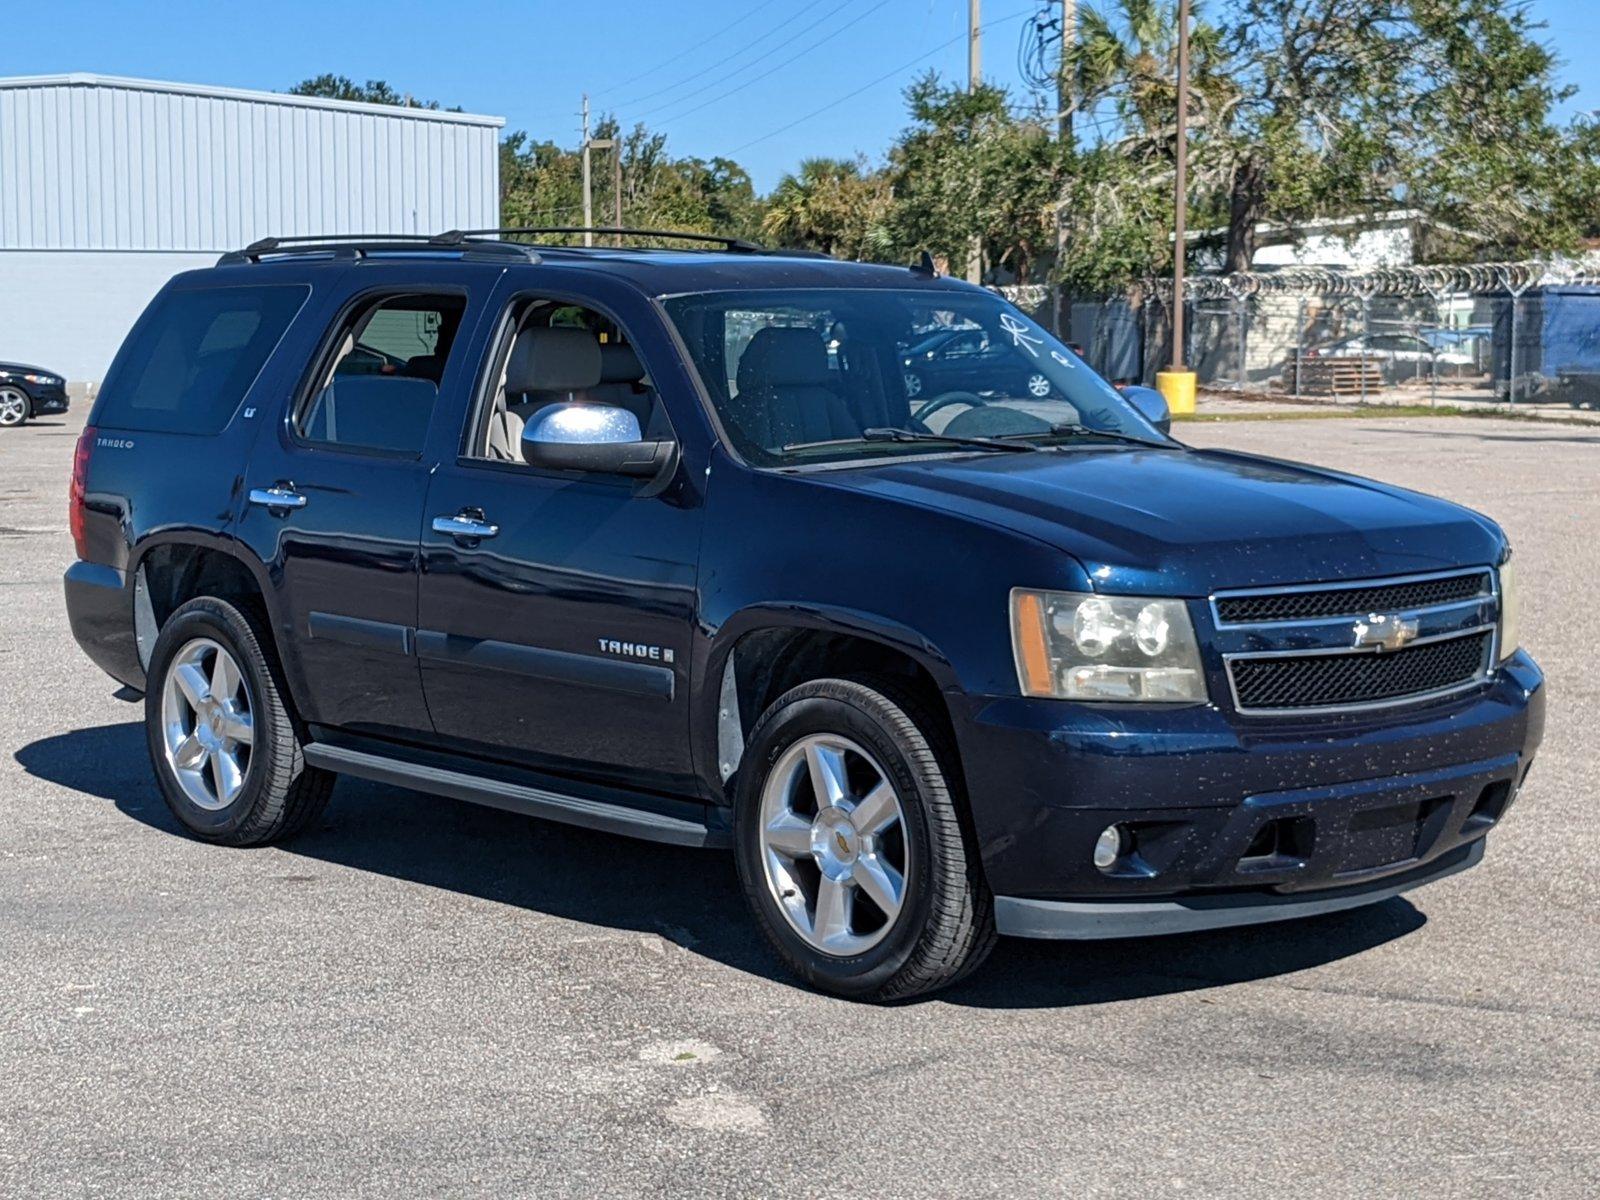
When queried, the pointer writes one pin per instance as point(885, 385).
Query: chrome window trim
point(1481, 676)
point(1347, 584)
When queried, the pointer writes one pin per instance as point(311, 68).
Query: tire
point(944, 923)
point(1039, 385)
point(241, 716)
point(16, 406)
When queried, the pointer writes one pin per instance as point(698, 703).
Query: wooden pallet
point(1336, 376)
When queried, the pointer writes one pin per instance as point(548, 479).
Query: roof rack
point(361, 245)
point(733, 244)
point(482, 243)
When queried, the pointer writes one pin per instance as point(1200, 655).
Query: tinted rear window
point(193, 356)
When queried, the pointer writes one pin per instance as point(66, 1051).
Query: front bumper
point(1266, 811)
point(49, 400)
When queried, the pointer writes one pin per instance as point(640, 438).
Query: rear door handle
point(278, 496)
point(468, 525)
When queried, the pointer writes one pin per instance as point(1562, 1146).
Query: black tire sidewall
point(214, 619)
point(788, 721)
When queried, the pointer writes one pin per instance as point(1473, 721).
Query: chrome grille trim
point(1345, 585)
point(1299, 630)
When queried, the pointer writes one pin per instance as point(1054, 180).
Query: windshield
point(818, 375)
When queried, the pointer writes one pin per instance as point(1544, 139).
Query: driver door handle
point(278, 497)
point(468, 525)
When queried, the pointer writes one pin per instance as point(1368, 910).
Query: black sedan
point(966, 359)
point(29, 392)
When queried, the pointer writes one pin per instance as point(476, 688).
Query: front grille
point(1355, 601)
point(1306, 681)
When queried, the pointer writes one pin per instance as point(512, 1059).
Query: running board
point(517, 798)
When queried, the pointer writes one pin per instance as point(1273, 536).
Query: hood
point(1187, 522)
point(11, 368)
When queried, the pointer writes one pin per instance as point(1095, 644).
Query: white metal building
point(110, 186)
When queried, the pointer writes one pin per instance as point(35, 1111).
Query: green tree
point(374, 91)
point(834, 205)
point(968, 168)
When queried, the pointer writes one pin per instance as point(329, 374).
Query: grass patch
point(1339, 414)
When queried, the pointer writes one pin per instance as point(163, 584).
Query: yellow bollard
point(1178, 387)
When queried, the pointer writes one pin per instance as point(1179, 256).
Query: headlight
point(1074, 646)
point(1510, 610)
point(42, 379)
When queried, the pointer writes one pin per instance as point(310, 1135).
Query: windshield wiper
point(1069, 430)
point(881, 434)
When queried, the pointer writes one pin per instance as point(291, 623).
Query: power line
point(887, 75)
point(770, 71)
point(746, 48)
point(684, 53)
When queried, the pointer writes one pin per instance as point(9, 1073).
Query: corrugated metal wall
point(90, 163)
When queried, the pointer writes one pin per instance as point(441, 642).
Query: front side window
point(376, 388)
point(830, 375)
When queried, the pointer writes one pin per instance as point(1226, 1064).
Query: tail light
point(1311, 354)
point(78, 490)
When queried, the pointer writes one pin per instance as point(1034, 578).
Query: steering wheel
point(945, 400)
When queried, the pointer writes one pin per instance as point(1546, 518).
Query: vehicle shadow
point(692, 897)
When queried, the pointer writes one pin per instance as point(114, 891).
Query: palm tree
point(835, 205)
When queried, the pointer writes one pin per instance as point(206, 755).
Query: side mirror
point(1152, 406)
point(599, 438)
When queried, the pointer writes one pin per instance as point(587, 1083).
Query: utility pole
point(974, 78)
point(1065, 91)
point(974, 45)
point(588, 195)
point(1066, 97)
point(1177, 382)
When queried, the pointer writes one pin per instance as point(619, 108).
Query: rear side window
point(193, 356)
point(376, 388)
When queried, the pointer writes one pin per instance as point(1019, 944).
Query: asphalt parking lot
point(426, 998)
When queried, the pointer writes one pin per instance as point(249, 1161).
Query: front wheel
point(224, 747)
point(14, 407)
point(1039, 385)
point(850, 847)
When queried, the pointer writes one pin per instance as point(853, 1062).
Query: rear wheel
point(850, 847)
point(223, 744)
point(14, 407)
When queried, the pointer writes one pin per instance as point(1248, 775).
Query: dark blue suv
point(657, 542)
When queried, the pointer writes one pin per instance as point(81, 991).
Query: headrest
point(783, 356)
point(619, 364)
point(553, 360)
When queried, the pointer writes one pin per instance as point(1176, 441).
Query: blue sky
point(730, 77)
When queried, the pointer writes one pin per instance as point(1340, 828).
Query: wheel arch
point(168, 570)
point(765, 651)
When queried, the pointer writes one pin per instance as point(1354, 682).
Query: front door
point(333, 504)
point(556, 608)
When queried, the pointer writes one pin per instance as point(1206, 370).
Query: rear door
point(558, 636)
point(333, 498)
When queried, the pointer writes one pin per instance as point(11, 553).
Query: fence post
point(1240, 311)
point(1299, 344)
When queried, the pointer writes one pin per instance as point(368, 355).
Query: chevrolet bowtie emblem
point(1385, 632)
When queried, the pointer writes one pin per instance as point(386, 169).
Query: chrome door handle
point(465, 527)
point(279, 495)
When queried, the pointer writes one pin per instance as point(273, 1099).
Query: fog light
point(1108, 848)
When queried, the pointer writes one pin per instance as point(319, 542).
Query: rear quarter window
point(193, 356)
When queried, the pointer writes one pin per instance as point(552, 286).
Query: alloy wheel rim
point(833, 845)
point(206, 724)
point(1038, 385)
point(913, 384)
point(13, 406)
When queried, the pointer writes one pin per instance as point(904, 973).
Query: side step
point(517, 798)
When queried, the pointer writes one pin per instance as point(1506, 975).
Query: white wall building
point(108, 187)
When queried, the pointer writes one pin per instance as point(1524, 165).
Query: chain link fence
point(1499, 333)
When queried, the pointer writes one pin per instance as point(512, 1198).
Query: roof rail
point(733, 244)
point(360, 245)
